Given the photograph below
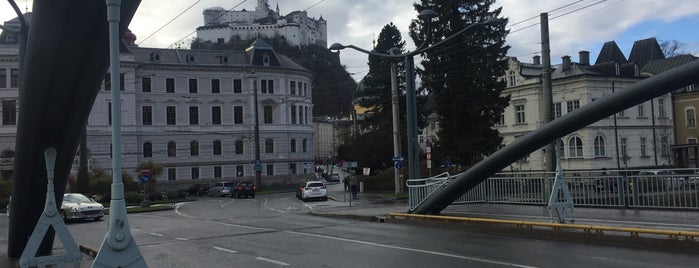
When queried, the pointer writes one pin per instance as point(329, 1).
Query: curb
point(350, 216)
point(89, 251)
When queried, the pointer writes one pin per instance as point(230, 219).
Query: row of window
point(266, 85)
point(520, 114)
point(9, 112)
point(575, 147)
point(298, 114)
point(217, 147)
point(239, 171)
point(12, 74)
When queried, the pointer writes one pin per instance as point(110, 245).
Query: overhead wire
point(168, 23)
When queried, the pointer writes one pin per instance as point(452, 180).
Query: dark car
point(243, 188)
point(198, 189)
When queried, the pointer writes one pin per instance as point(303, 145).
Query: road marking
point(271, 208)
point(183, 239)
point(156, 234)
point(225, 250)
point(248, 227)
point(417, 250)
point(227, 203)
point(273, 261)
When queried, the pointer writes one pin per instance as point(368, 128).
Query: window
point(3, 78)
point(300, 115)
point(519, 114)
point(691, 141)
point(147, 149)
point(171, 149)
point(561, 149)
point(661, 108)
point(621, 114)
point(292, 145)
point(293, 114)
point(664, 146)
point(14, 77)
point(292, 87)
point(195, 173)
point(145, 84)
point(217, 147)
point(690, 117)
point(600, 150)
point(239, 171)
point(193, 85)
point(267, 86)
point(109, 113)
point(217, 172)
point(557, 110)
point(193, 115)
point(171, 174)
point(170, 85)
point(643, 147)
point(194, 148)
point(575, 147)
point(641, 112)
point(9, 112)
point(623, 145)
point(292, 168)
point(501, 121)
point(108, 82)
point(572, 105)
point(512, 79)
point(171, 115)
point(270, 170)
point(267, 114)
point(305, 145)
point(269, 146)
point(237, 115)
point(239, 147)
point(216, 115)
point(215, 86)
point(147, 115)
point(237, 86)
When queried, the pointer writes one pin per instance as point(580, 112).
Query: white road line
point(183, 239)
point(248, 227)
point(228, 203)
point(270, 208)
point(417, 250)
point(156, 234)
point(177, 210)
point(273, 261)
point(225, 250)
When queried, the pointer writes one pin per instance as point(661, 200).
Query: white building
point(297, 28)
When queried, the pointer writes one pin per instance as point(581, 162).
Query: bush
point(382, 182)
point(133, 197)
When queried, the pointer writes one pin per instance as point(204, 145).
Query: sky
point(574, 25)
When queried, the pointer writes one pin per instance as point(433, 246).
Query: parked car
point(198, 189)
point(244, 188)
point(221, 188)
point(661, 179)
point(312, 190)
point(79, 207)
point(331, 177)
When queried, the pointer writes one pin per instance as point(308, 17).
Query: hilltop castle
point(297, 28)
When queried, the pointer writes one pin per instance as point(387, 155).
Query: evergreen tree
point(462, 76)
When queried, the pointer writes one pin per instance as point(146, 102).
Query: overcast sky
point(574, 25)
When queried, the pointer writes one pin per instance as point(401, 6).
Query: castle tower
point(262, 6)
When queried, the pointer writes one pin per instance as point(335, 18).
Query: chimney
point(566, 63)
point(536, 59)
point(584, 57)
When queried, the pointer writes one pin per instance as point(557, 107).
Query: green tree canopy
point(462, 76)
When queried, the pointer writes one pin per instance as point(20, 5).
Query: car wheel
point(63, 215)
point(98, 219)
point(253, 196)
point(325, 198)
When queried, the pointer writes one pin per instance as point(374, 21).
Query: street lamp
point(413, 145)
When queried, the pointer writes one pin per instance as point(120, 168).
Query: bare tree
point(671, 48)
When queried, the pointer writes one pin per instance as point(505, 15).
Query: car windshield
point(76, 198)
point(315, 184)
point(228, 184)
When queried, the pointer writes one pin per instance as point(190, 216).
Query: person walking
point(354, 184)
point(346, 182)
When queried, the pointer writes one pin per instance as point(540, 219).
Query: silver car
point(79, 207)
point(221, 189)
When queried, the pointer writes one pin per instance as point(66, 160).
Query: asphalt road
point(277, 230)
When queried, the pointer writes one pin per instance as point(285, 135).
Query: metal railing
point(671, 189)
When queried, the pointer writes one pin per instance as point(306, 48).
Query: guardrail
point(669, 189)
point(597, 229)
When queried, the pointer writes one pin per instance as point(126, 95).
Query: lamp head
point(427, 14)
point(336, 47)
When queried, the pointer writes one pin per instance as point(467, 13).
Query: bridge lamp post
point(413, 145)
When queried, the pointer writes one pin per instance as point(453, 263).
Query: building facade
point(296, 28)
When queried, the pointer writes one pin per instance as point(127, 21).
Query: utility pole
point(258, 163)
point(547, 88)
point(396, 121)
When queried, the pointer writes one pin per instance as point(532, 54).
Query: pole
point(118, 248)
point(616, 137)
point(258, 171)
point(396, 125)
point(413, 149)
point(547, 88)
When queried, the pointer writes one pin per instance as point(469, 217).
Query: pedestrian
point(354, 183)
point(346, 182)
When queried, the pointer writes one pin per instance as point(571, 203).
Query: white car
point(312, 190)
point(79, 207)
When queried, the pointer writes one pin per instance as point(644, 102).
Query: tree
point(671, 48)
point(462, 76)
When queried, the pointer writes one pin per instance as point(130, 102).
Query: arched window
point(600, 150)
point(194, 148)
point(575, 147)
point(305, 145)
point(217, 147)
point(293, 146)
point(147, 149)
point(269, 146)
point(171, 149)
point(238, 147)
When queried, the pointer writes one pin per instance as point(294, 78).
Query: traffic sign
point(399, 165)
point(145, 178)
point(447, 163)
point(397, 158)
